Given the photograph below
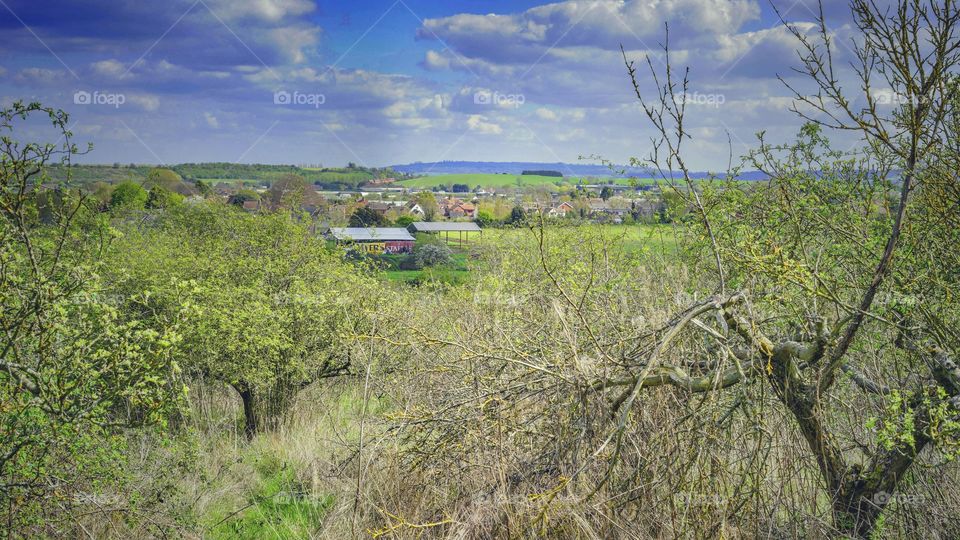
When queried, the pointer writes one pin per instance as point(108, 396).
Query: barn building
point(374, 240)
point(461, 229)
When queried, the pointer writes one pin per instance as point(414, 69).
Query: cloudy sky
point(381, 82)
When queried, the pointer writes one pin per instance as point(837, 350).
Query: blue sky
point(386, 82)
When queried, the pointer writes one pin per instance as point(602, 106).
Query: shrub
point(433, 255)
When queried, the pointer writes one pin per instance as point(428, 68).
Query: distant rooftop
point(371, 234)
point(445, 226)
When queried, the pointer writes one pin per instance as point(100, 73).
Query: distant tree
point(541, 173)
point(517, 216)
point(484, 218)
point(204, 188)
point(242, 196)
point(606, 193)
point(460, 188)
point(160, 197)
point(290, 191)
point(128, 195)
point(403, 221)
point(365, 217)
point(101, 192)
point(164, 178)
point(428, 202)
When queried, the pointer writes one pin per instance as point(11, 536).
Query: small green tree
point(428, 202)
point(165, 178)
point(365, 217)
point(517, 216)
point(242, 196)
point(128, 195)
point(271, 308)
point(160, 197)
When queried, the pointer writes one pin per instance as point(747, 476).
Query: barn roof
point(371, 234)
point(445, 226)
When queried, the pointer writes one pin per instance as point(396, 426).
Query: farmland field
point(483, 180)
point(514, 180)
point(632, 239)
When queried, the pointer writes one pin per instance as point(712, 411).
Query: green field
point(507, 180)
point(658, 239)
point(633, 238)
point(484, 180)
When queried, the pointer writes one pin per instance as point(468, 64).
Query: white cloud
point(546, 114)
point(109, 68)
point(146, 102)
point(42, 76)
point(263, 10)
point(479, 123)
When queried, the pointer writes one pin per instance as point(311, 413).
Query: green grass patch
point(280, 507)
point(633, 238)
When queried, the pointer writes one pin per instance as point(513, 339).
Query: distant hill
point(231, 173)
point(515, 168)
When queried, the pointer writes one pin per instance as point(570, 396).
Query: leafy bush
point(433, 255)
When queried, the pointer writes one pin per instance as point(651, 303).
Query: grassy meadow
point(631, 239)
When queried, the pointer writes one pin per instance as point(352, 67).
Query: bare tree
point(913, 50)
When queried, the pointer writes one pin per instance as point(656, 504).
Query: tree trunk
point(264, 409)
point(859, 494)
point(252, 423)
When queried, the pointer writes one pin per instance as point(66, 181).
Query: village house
point(414, 208)
point(379, 207)
point(454, 208)
point(561, 210)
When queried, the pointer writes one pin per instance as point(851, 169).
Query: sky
point(381, 82)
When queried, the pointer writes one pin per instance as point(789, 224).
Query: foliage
point(242, 196)
point(404, 221)
point(485, 218)
point(161, 197)
point(75, 370)
point(367, 217)
point(128, 195)
point(290, 191)
point(517, 216)
point(433, 255)
point(165, 179)
point(271, 309)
